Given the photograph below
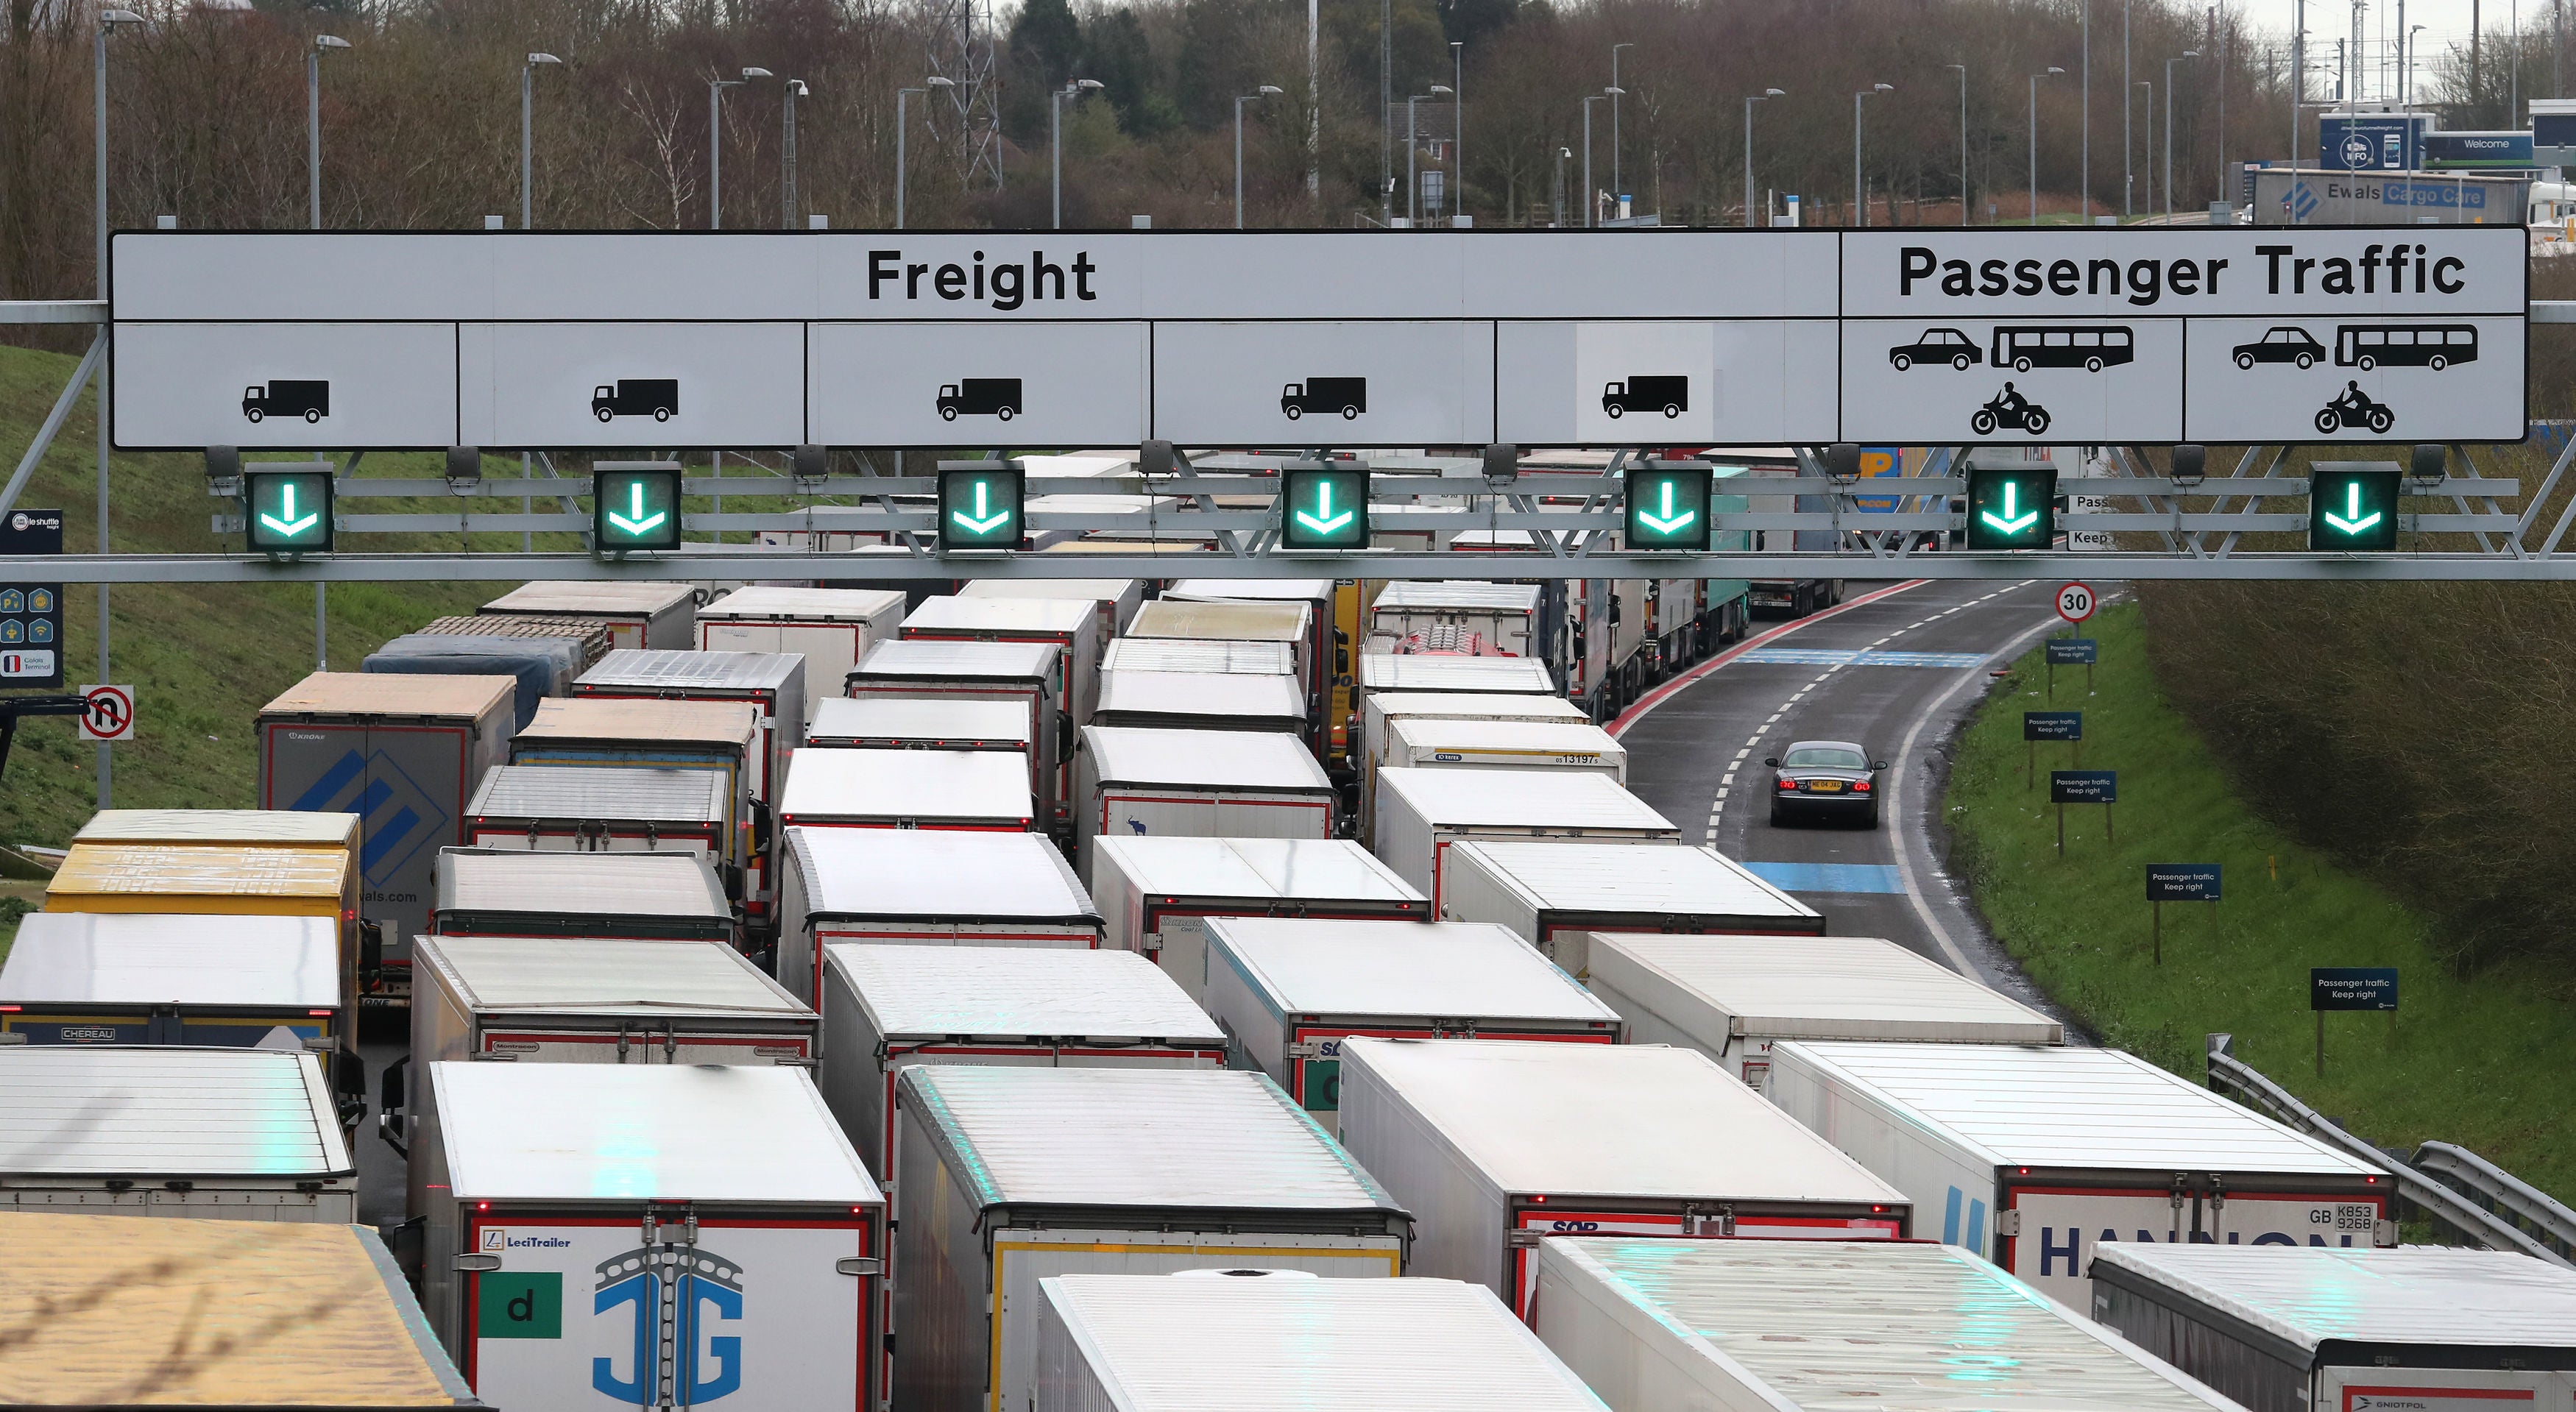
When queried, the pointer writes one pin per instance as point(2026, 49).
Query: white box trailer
point(2032, 1153)
point(2420, 1328)
point(1074, 625)
point(578, 809)
point(1023, 673)
point(1379, 710)
point(1433, 743)
point(1432, 671)
point(666, 896)
point(647, 614)
point(1503, 614)
point(662, 1236)
point(925, 887)
point(832, 628)
point(607, 733)
point(1175, 1343)
point(158, 978)
point(1008, 1176)
point(1315, 595)
point(1291, 623)
point(1289, 990)
point(1116, 600)
point(1206, 784)
point(1560, 895)
point(1733, 997)
point(877, 723)
point(1159, 892)
point(1795, 1326)
point(134, 1130)
point(1423, 813)
point(1497, 1146)
point(908, 789)
point(1182, 654)
point(1237, 701)
point(888, 1008)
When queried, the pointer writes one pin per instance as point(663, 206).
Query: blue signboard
point(2071, 651)
point(2352, 988)
point(2182, 882)
point(2052, 725)
point(2446, 150)
point(2378, 142)
point(2083, 786)
point(1879, 461)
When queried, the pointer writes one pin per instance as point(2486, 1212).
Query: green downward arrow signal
point(2008, 522)
point(289, 524)
point(2352, 521)
point(636, 523)
point(1321, 519)
point(1668, 522)
point(980, 522)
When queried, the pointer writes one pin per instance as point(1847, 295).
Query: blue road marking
point(1855, 657)
point(1829, 877)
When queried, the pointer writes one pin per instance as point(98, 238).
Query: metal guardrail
point(2228, 1073)
point(2501, 1192)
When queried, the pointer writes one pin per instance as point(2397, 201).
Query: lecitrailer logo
point(497, 1239)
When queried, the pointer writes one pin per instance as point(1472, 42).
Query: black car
point(2287, 343)
point(1938, 345)
point(1825, 779)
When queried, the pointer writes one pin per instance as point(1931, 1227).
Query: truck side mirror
point(392, 1121)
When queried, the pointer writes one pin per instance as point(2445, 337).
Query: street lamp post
point(2034, 139)
point(1264, 91)
point(527, 136)
point(1963, 140)
point(1614, 90)
point(1591, 204)
point(2169, 106)
point(322, 44)
point(715, 142)
point(1458, 124)
point(2150, 86)
point(1749, 100)
point(1563, 154)
point(787, 140)
point(1412, 182)
point(2128, 138)
point(1860, 201)
point(901, 167)
point(107, 20)
point(1073, 88)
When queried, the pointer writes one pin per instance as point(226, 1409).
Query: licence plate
point(1826, 786)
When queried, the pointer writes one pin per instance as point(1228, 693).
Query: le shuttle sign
point(766, 339)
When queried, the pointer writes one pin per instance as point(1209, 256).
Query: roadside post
point(2350, 988)
point(2177, 882)
point(2071, 652)
point(2083, 787)
point(2037, 726)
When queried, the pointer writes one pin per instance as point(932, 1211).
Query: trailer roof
point(1199, 1138)
point(1094, 591)
point(2053, 1106)
point(695, 671)
point(265, 826)
point(1913, 1326)
point(139, 958)
point(601, 975)
point(421, 696)
point(1520, 799)
point(836, 782)
point(1159, 1343)
point(135, 1110)
point(1029, 615)
point(610, 793)
point(780, 602)
point(1472, 595)
point(1415, 671)
point(1319, 869)
point(1198, 654)
point(630, 720)
point(1717, 988)
point(938, 659)
point(1259, 696)
point(953, 873)
point(199, 870)
point(1203, 759)
point(1571, 877)
point(1640, 1120)
point(2310, 1295)
point(499, 881)
point(1019, 992)
point(1475, 706)
point(213, 1314)
point(1229, 621)
point(625, 1133)
point(591, 597)
point(1561, 738)
point(1313, 965)
point(1249, 590)
point(917, 718)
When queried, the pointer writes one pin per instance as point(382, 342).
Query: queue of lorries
point(1004, 1001)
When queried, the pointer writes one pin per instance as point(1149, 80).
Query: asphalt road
point(1696, 754)
point(382, 1039)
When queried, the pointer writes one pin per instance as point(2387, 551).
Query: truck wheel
point(1801, 602)
point(1294, 411)
point(602, 413)
point(947, 414)
point(1005, 414)
point(312, 415)
point(1350, 414)
point(661, 414)
point(1672, 409)
point(254, 414)
point(1614, 409)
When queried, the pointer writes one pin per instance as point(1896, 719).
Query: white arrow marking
point(1321, 519)
point(2352, 521)
point(1667, 522)
point(979, 522)
point(290, 525)
point(639, 522)
point(2009, 522)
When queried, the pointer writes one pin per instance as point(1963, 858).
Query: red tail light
point(1860, 786)
point(1788, 783)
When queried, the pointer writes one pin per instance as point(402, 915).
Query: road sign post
point(1323, 507)
point(2349, 988)
point(1667, 507)
point(287, 510)
point(634, 506)
point(2071, 652)
point(31, 614)
point(2352, 506)
point(2177, 882)
point(2083, 787)
point(2012, 507)
point(2037, 726)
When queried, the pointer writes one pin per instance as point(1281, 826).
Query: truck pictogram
point(1668, 393)
point(1348, 396)
point(981, 397)
point(309, 398)
point(657, 398)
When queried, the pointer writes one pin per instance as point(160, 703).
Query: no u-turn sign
point(111, 713)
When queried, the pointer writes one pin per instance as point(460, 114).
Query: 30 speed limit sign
point(111, 713)
point(2075, 602)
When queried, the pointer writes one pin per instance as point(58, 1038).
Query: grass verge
point(2478, 1060)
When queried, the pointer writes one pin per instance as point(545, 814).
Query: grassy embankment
point(2480, 1060)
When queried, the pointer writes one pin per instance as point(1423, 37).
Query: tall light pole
point(1314, 103)
point(1264, 91)
point(1963, 140)
point(1591, 204)
point(322, 44)
point(2169, 95)
point(2150, 86)
point(1614, 90)
point(2407, 79)
point(1562, 153)
point(1458, 124)
point(527, 136)
point(2084, 183)
point(2034, 139)
point(715, 142)
point(1413, 183)
point(901, 167)
point(1073, 88)
point(107, 20)
point(2128, 139)
point(1860, 202)
point(787, 141)
point(1749, 100)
